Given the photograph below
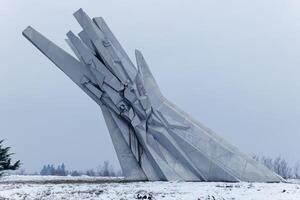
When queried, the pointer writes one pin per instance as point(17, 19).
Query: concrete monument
point(154, 139)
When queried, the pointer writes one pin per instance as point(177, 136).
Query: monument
point(154, 139)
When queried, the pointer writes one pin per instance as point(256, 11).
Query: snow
point(42, 179)
point(38, 187)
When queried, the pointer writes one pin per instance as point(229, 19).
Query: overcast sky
point(233, 65)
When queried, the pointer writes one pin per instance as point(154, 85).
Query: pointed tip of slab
point(152, 89)
point(138, 53)
point(70, 34)
point(27, 32)
point(142, 65)
point(78, 12)
point(99, 19)
point(139, 57)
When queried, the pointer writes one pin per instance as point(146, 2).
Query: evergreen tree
point(5, 159)
point(61, 170)
point(44, 171)
point(58, 171)
point(52, 170)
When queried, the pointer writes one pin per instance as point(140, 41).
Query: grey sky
point(239, 61)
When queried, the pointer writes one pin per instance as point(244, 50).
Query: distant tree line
point(280, 166)
point(48, 170)
point(106, 169)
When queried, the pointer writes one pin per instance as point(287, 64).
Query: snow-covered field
point(37, 187)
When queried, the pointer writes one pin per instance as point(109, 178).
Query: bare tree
point(106, 169)
point(297, 170)
point(268, 162)
point(90, 172)
point(279, 166)
point(256, 157)
point(282, 168)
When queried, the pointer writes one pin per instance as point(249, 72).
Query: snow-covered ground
point(36, 179)
point(37, 187)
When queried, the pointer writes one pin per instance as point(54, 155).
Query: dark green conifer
point(5, 159)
